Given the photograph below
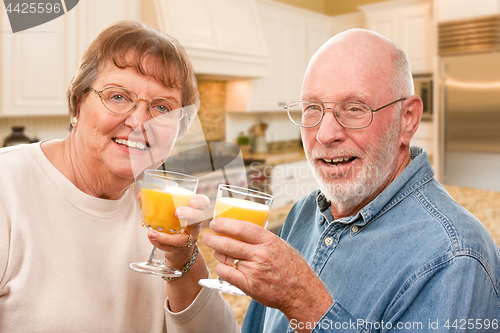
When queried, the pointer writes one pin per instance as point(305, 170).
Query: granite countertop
point(279, 153)
point(485, 205)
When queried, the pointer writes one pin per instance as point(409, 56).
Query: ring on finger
point(235, 263)
point(189, 242)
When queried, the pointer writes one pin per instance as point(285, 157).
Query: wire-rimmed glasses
point(122, 100)
point(353, 115)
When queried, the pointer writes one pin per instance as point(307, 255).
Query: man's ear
point(410, 118)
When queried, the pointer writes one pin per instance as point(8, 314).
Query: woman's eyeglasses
point(121, 101)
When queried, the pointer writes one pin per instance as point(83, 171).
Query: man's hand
point(270, 271)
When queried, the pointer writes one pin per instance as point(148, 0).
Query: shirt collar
point(417, 173)
point(323, 208)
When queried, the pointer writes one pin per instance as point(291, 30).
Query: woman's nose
point(139, 115)
point(330, 130)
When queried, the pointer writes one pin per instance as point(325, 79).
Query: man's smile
point(339, 160)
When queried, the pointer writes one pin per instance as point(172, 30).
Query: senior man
point(381, 246)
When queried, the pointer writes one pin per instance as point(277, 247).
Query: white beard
point(347, 195)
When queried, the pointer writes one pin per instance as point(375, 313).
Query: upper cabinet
point(221, 37)
point(292, 35)
point(286, 36)
point(38, 64)
point(409, 24)
point(347, 21)
point(95, 15)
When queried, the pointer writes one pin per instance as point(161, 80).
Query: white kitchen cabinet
point(38, 64)
point(286, 34)
point(292, 35)
point(409, 24)
point(290, 182)
point(286, 38)
point(347, 21)
point(221, 37)
point(95, 15)
point(319, 31)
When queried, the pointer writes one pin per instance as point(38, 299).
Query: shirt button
point(328, 241)
point(354, 228)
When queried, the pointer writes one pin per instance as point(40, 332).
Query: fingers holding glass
point(237, 203)
point(162, 193)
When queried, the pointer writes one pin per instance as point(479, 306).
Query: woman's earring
point(74, 121)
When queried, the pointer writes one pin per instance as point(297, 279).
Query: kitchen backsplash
point(212, 115)
point(280, 128)
point(219, 125)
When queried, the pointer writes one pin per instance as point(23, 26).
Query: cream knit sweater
point(64, 259)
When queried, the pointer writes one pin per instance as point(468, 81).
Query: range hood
point(221, 37)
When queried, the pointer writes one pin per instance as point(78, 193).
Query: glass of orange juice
point(162, 192)
point(244, 204)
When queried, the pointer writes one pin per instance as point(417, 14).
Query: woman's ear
point(74, 117)
point(410, 118)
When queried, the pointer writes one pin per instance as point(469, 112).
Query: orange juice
point(244, 210)
point(158, 208)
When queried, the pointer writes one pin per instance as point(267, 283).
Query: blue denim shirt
point(412, 260)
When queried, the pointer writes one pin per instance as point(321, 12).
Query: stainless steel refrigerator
point(470, 88)
point(471, 119)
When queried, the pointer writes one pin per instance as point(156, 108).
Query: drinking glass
point(161, 193)
point(244, 204)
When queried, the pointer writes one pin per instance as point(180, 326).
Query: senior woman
point(69, 214)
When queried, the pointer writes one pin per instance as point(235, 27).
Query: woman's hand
point(179, 247)
point(178, 251)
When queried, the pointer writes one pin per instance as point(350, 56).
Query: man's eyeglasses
point(351, 115)
point(121, 101)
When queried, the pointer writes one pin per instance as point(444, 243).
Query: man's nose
point(330, 130)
